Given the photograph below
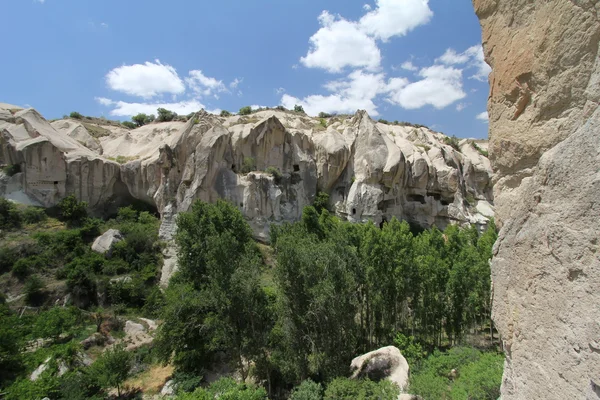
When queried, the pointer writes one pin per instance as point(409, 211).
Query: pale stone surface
point(168, 389)
point(105, 243)
point(39, 370)
point(385, 363)
point(132, 328)
point(544, 149)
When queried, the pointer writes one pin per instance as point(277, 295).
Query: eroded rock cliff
point(545, 152)
point(271, 164)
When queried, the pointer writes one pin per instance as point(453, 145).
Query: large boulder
point(105, 243)
point(544, 149)
point(385, 363)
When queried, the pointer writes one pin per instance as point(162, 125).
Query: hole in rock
point(416, 197)
point(353, 211)
point(296, 168)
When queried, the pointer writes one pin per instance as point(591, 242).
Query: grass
point(151, 381)
point(123, 159)
point(424, 147)
point(480, 150)
point(95, 130)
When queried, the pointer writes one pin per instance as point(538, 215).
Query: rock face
point(270, 164)
point(544, 148)
point(105, 243)
point(385, 363)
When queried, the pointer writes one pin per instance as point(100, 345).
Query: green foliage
point(129, 125)
point(349, 389)
point(480, 150)
point(307, 390)
point(10, 345)
point(321, 201)
point(23, 267)
point(383, 121)
point(12, 169)
point(245, 110)
point(75, 115)
point(143, 119)
point(56, 321)
point(225, 113)
point(112, 368)
point(35, 291)
point(325, 115)
point(299, 109)
point(33, 215)
point(453, 142)
point(165, 115)
point(459, 374)
point(410, 349)
point(10, 218)
point(72, 210)
point(226, 389)
point(8, 255)
point(323, 122)
point(274, 171)
point(249, 165)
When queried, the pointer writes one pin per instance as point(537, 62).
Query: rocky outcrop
point(105, 243)
point(544, 136)
point(270, 164)
point(385, 363)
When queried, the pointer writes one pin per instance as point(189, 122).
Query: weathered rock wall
point(545, 152)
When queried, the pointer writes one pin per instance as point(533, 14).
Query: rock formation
point(270, 164)
point(385, 363)
point(545, 152)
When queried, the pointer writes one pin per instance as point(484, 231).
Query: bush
point(72, 210)
point(142, 119)
point(129, 125)
point(325, 115)
point(245, 110)
point(323, 122)
point(33, 215)
point(56, 321)
point(12, 169)
point(25, 266)
point(112, 368)
point(35, 291)
point(165, 115)
point(480, 150)
point(383, 121)
point(8, 256)
point(453, 142)
point(225, 113)
point(307, 390)
point(226, 388)
point(249, 165)
point(274, 171)
point(410, 349)
point(348, 389)
point(321, 201)
point(10, 218)
point(299, 109)
point(75, 115)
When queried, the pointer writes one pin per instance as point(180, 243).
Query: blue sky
point(408, 60)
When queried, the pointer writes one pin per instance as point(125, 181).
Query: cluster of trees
point(339, 289)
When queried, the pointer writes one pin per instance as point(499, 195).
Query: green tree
point(299, 109)
point(35, 291)
point(10, 218)
point(321, 201)
point(247, 110)
point(307, 390)
point(225, 113)
point(348, 389)
point(165, 115)
point(75, 115)
point(129, 124)
point(56, 321)
point(10, 345)
point(226, 389)
point(112, 368)
point(72, 210)
point(142, 119)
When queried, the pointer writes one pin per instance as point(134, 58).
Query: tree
point(72, 210)
point(10, 218)
point(307, 390)
point(10, 345)
point(34, 291)
point(324, 115)
point(245, 110)
point(226, 389)
point(55, 321)
point(129, 125)
point(225, 113)
point(299, 109)
point(349, 389)
point(142, 119)
point(165, 115)
point(75, 115)
point(112, 368)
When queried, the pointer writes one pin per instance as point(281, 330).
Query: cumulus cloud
point(472, 59)
point(441, 86)
point(395, 18)
point(203, 85)
point(235, 83)
point(409, 66)
point(483, 117)
point(340, 43)
point(145, 80)
point(461, 106)
point(367, 7)
point(125, 109)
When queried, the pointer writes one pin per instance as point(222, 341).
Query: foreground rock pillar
point(545, 152)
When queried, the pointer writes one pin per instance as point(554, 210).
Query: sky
point(418, 61)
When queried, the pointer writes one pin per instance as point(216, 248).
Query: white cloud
point(256, 106)
point(483, 69)
point(203, 85)
point(124, 109)
point(395, 18)
point(440, 87)
point(367, 7)
point(355, 92)
point(472, 57)
point(461, 106)
point(280, 90)
point(234, 84)
point(409, 66)
point(145, 80)
point(483, 117)
point(340, 43)
point(39, 1)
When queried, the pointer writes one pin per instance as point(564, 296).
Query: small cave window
point(56, 182)
point(445, 203)
point(233, 167)
point(296, 168)
point(354, 211)
point(417, 198)
point(242, 205)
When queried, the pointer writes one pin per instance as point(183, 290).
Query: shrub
point(33, 215)
point(480, 150)
point(383, 121)
point(245, 110)
point(226, 388)
point(56, 321)
point(142, 119)
point(112, 368)
point(410, 349)
point(25, 266)
point(323, 122)
point(8, 256)
point(274, 171)
point(321, 201)
point(12, 169)
point(225, 113)
point(72, 210)
point(35, 291)
point(348, 389)
point(453, 142)
point(165, 115)
point(75, 115)
point(307, 390)
point(129, 124)
point(248, 165)
point(281, 108)
point(325, 115)
point(299, 109)
point(10, 218)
